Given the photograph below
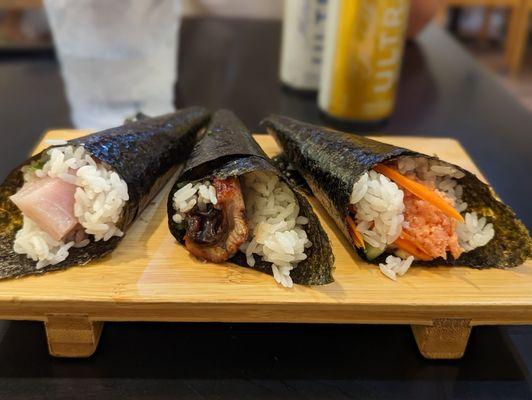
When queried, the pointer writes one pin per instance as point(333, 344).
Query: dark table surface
point(233, 64)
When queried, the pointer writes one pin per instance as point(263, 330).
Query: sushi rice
point(380, 209)
point(277, 232)
point(99, 200)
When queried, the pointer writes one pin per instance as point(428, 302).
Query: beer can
point(364, 42)
point(302, 43)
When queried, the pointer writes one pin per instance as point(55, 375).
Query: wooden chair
point(518, 37)
point(515, 35)
point(19, 4)
point(10, 23)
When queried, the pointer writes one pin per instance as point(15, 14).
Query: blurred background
point(496, 32)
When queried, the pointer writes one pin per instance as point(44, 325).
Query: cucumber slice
point(372, 252)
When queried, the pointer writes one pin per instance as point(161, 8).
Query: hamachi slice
point(49, 202)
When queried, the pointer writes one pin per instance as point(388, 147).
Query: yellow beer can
point(364, 42)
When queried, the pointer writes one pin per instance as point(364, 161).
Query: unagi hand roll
point(231, 204)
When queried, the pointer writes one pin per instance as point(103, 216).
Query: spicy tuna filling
point(67, 200)
point(256, 214)
point(413, 209)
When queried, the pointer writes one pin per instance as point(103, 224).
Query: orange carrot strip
point(355, 234)
point(420, 191)
point(415, 242)
point(412, 249)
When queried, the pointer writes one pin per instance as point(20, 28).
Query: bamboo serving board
point(150, 277)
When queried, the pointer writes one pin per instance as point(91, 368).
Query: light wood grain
point(151, 278)
point(446, 338)
point(72, 335)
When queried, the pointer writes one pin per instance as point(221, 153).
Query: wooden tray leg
point(444, 339)
point(72, 335)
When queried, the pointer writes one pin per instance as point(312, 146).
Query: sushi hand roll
point(398, 206)
point(231, 204)
point(74, 201)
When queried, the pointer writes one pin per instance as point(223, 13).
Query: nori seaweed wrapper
point(145, 153)
point(228, 149)
point(332, 161)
